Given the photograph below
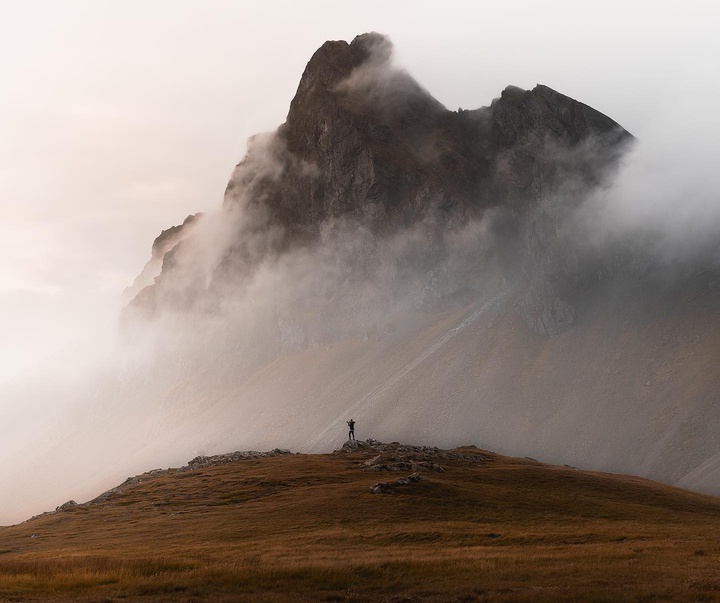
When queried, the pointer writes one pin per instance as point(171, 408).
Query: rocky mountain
point(440, 276)
point(364, 142)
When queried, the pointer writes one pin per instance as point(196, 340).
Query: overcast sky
point(119, 118)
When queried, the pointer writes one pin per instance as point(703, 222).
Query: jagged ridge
point(363, 141)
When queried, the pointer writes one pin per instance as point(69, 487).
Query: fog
point(121, 119)
point(669, 187)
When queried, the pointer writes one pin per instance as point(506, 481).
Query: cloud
point(665, 199)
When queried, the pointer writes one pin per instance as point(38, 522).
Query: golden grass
point(306, 527)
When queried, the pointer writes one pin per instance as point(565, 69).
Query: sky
point(119, 118)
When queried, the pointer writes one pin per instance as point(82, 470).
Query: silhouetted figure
point(351, 425)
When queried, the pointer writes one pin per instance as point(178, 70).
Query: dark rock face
point(363, 141)
point(363, 138)
point(162, 247)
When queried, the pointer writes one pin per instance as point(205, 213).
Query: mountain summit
point(384, 150)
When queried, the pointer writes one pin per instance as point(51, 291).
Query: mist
point(276, 353)
point(668, 192)
point(248, 347)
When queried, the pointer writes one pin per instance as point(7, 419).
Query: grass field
point(307, 527)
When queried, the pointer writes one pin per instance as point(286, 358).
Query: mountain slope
point(307, 527)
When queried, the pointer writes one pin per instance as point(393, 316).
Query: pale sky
point(119, 118)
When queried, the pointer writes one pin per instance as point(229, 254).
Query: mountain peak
point(357, 85)
point(335, 60)
point(543, 112)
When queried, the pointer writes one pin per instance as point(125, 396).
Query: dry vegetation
point(306, 527)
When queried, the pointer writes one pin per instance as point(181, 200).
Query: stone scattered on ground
point(200, 462)
point(400, 463)
point(390, 487)
point(69, 505)
point(403, 457)
point(130, 481)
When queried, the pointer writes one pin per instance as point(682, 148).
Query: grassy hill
point(481, 527)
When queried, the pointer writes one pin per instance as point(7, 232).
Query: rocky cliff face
point(166, 241)
point(364, 142)
point(363, 138)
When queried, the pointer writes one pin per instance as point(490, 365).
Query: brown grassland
point(307, 527)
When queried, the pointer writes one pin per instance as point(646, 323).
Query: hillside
point(285, 527)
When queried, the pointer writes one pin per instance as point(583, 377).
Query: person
point(351, 425)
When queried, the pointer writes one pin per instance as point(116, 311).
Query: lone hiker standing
point(351, 425)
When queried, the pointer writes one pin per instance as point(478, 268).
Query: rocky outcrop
point(166, 241)
point(403, 457)
point(70, 505)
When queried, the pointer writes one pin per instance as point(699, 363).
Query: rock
point(68, 506)
point(543, 310)
point(388, 487)
point(163, 245)
point(381, 488)
point(402, 462)
point(403, 457)
point(372, 462)
point(357, 446)
point(200, 462)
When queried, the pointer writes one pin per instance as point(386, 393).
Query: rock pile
point(401, 462)
point(389, 487)
point(200, 462)
point(401, 457)
point(68, 506)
